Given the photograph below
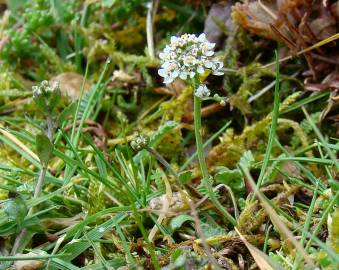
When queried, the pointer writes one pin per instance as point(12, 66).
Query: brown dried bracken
point(298, 24)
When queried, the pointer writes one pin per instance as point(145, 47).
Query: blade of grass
point(62, 265)
point(306, 227)
point(321, 138)
point(305, 101)
point(69, 170)
point(278, 223)
point(78, 40)
point(263, 261)
point(323, 219)
point(149, 245)
point(275, 116)
point(35, 257)
point(319, 161)
point(20, 147)
point(97, 252)
point(125, 245)
point(75, 248)
point(314, 46)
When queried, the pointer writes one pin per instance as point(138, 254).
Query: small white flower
point(36, 91)
point(200, 69)
point(208, 63)
point(186, 56)
point(189, 60)
point(163, 72)
point(209, 53)
point(45, 87)
point(183, 75)
point(44, 83)
point(139, 142)
point(217, 68)
point(202, 91)
point(174, 40)
point(192, 74)
point(202, 37)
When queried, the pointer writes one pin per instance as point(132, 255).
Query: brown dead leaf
point(323, 27)
point(179, 202)
point(299, 24)
point(289, 169)
point(254, 18)
point(71, 83)
point(62, 222)
point(122, 76)
point(220, 13)
point(29, 264)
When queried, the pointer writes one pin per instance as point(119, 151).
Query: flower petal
point(183, 75)
point(211, 46)
point(162, 72)
point(168, 80)
point(174, 39)
point(202, 37)
point(202, 91)
point(163, 56)
point(220, 64)
point(208, 64)
point(165, 65)
point(175, 73)
point(167, 49)
point(218, 73)
point(209, 53)
point(200, 70)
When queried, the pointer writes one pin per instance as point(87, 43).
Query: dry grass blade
point(260, 257)
point(152, 9)
point(142, 167)
point(16, 141)
point(279, 224)
point(315, 46)
point(202, 237)
point(165, 209)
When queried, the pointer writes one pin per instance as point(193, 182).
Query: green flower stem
point(19, 241)
point(42, 175)
point(202, 162)
point(198, 138)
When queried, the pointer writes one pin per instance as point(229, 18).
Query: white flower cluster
point(202, 91)
point(139, 142)
point(186, 56)
point(44, 87)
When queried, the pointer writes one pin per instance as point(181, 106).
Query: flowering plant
point(44, 87)
point(186, 57)
point(202, 91)
point(139, 142)
point(46, 95)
